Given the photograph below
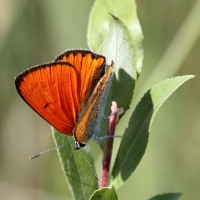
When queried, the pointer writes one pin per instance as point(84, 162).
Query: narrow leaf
point(105, 194)
point(169, 196)
point(135, 138)
point(79, 176)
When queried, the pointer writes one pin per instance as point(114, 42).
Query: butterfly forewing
point(90, 69)
point(51, 90)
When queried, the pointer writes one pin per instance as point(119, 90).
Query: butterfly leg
point(100, 139)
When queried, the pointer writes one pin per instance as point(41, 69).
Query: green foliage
point(169, 196)
point(100, 25)
point(119, 47)
point(135, 137)
point(77, 171)
point(105, 194)
point(109, 36)
point(117, 43)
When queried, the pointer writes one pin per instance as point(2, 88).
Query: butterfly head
point(79, 145)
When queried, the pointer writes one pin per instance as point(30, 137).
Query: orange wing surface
point(51, 90)
point(90, 69)
point(58, 91)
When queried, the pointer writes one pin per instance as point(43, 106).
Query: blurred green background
point(34, 32)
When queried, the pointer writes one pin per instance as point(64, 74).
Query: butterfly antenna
point(89, 165)
point(42, 153)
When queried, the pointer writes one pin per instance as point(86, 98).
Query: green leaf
point(169, 196)
point(135, 138)
point(100, 24)
point(118, 46)
point(108, 193)
point(79, 176)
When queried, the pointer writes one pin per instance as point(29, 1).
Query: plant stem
point(108, 146)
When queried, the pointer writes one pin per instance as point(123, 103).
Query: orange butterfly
point(67, 92)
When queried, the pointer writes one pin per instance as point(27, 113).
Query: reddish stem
point(108, 146)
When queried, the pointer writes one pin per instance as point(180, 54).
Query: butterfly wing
point(61, 91)
point(51, 90)
point(90, 69)
point(88, 125)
